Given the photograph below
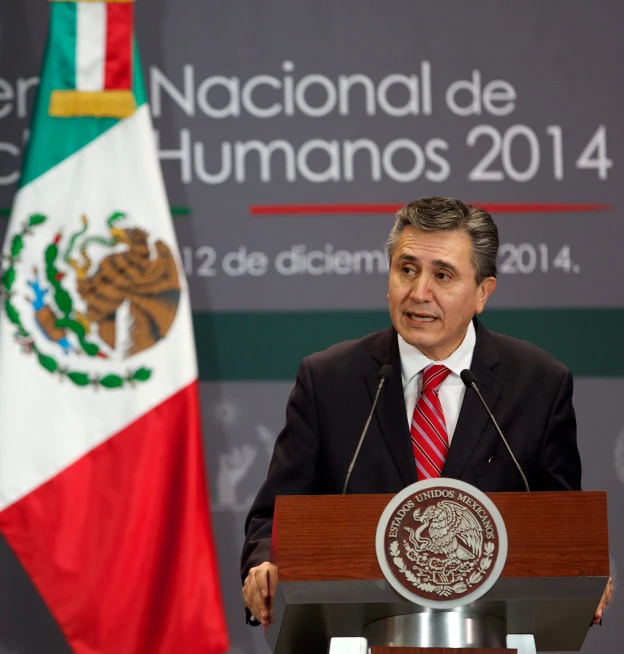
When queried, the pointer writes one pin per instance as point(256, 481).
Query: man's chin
point(419, 338)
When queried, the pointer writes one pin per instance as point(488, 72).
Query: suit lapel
point(390, 411)
point(472, 416)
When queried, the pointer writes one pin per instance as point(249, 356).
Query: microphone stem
point(500, 433)
point(359, 445)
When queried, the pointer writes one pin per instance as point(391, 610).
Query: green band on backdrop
point(255, 346)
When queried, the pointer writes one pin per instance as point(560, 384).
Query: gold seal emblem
point(441, 542)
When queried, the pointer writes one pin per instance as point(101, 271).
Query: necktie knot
point(433, 376)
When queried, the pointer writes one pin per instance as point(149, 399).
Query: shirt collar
point(414, 361)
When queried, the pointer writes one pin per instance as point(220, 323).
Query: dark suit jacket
point(529, 392)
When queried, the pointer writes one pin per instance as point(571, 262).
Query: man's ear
point(485, 289)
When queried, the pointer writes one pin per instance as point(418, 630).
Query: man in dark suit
point(442, 271)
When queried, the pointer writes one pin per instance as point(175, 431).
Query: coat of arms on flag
point(65, 300)
point(103, 494)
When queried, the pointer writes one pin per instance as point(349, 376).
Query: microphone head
point(468, 378)
point(386, 371)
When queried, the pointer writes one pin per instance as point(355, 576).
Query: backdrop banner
point(288, 133)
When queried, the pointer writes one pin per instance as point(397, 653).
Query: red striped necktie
point(428, 429)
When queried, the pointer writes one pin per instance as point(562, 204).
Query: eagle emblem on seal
point(105, 296)
point(452, 531)
point(441, 548)
point(441, 543)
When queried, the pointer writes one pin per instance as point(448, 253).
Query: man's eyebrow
point(440, 263)
point(445, 264)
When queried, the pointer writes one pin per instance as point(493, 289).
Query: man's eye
point(443, 276)
point(408, 271)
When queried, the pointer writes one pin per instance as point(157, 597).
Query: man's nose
point(421, 289)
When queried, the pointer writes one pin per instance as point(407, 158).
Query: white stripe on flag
point(90, 45)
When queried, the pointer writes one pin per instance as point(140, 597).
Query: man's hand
point(606, 598)
point(259, 589)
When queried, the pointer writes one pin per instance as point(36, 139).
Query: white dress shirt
point(452, 390)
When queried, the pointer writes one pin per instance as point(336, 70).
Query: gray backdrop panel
point(563, 60)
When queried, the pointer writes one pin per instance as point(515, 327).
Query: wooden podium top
point(558, 534)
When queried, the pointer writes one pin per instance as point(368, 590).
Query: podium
point(330, 583)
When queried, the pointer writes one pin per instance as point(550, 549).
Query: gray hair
point(447, 214)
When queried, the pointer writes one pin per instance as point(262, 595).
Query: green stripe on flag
point(255, 346)
point(54, 139)
point(63, 18)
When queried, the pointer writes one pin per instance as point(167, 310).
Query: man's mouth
point(421, 317)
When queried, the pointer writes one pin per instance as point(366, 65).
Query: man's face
point(432, 291)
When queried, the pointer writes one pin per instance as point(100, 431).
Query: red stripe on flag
point(119, 544)
point(118, 65)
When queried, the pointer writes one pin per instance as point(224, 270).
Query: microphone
point(385, 372)
point(470, 381)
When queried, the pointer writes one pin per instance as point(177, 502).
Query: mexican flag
point(102, 490)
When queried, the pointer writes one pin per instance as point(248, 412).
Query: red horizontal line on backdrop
point(301, 209)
